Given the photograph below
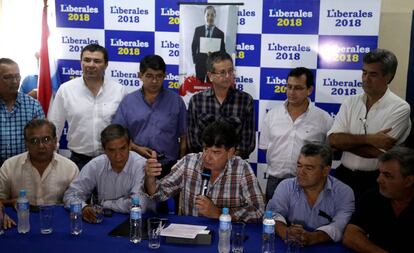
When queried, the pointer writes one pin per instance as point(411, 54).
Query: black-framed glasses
point(224, 73)
point(151, 77)
point(38, 140)
point(364, 124)
point(295, 88)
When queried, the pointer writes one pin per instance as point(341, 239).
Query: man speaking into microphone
point(231, 183)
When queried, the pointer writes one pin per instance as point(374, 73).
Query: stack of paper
point(184, 230)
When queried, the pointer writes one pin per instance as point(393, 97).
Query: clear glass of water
point(154, 231)
point(237, 237)
point(97, 205)
point(47, 212)
point(293, 240)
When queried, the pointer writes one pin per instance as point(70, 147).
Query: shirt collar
point(328, 185)
point(230, 93)
point(386, 94)
point(27, 163)
point(310, 105)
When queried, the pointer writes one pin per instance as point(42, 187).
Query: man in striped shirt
point(232, 184)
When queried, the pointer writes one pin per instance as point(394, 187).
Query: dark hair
point(404, 156)
point(217, 57)
point(387, 59)
point(220, 133)
point(7, 61)
point(94, 48)
point(298, 72)
point(113, 132)
point(152, 61)
point(210, 7)
point(37, 123)
point(321, 149)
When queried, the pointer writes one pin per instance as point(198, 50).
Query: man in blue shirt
point(155, 116)
point(313, 207)
point(16, 109)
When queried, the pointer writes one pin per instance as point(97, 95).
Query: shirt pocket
point(311, 133)
point(108, 111)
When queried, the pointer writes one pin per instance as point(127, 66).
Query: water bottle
point(268, 245)
point(23, 224)
point(135, 221)
point(224, 231)
point(76, 216)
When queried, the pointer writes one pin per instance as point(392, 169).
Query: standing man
point(117, 175)
point(286, 128)
point(16, 109)
point(41, 171)
point(232, 183)
point(209, 30)
point(370, 123)
point(313, 207)
point(155, 116)
point(88, 104)
point(384, 218)
point(222, 101)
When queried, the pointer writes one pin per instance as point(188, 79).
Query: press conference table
point(95, 238)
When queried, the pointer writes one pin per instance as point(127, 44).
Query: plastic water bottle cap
point(225, 210)
point(135, 200)
point(268, 214)
point(22, 193)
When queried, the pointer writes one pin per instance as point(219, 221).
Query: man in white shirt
point(88, 104)
point(287, 127)
point(41, 171)
point(368, 124)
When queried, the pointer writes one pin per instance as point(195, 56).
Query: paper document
point(183, 230)
point(209, 45)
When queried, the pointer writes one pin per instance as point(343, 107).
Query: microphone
point(205, 176)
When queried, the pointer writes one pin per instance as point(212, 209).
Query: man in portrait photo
point(208, 30)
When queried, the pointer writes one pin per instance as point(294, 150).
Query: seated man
point(384, 218)
point(232, 183)
point(116, 175)
point(43, 173)
point(314, 207)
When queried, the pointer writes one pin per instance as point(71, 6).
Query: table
point(94, 237)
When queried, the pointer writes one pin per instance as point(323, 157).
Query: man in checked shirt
point(232, 183)
point(221, 101)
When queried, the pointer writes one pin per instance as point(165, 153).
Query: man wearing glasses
point(154, 115)
point(41, 171)
point(370, 123)
point(222, 101)
point(88, 104)
point(16, 109)
point(288, 126)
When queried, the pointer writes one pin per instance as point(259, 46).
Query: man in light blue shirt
point(116, 175)
point(313, 207)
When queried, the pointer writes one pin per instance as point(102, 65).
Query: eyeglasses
point(224, 73)
point(11, 77)
point(364, 124)
point(151, 77)
point(38, 140)
point(295, 88)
